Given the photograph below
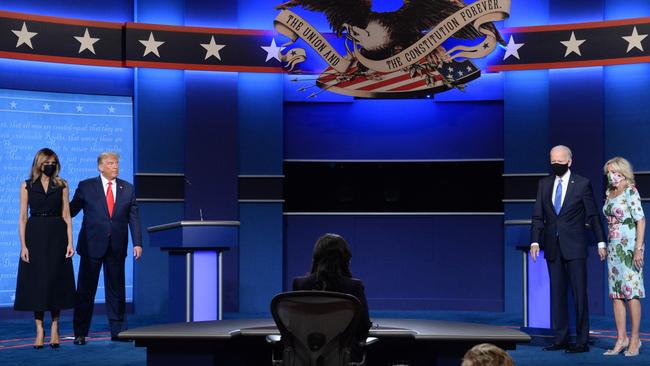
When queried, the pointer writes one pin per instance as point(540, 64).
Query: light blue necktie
point(557, 205)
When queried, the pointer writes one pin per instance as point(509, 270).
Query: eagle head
point(375, 36)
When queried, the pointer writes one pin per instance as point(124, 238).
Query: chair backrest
point(317, 327)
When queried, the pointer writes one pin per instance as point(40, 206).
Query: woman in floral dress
point(624, 253)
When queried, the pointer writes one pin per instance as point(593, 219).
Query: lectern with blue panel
point(195, 265)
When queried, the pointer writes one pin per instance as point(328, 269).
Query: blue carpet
point(16, 339)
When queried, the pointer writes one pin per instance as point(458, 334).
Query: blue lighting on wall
point(115, 11)
point(169, 12)
point(623, 9)
point(575, 11)
point(47, 76)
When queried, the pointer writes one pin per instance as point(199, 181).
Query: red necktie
point(110, 201)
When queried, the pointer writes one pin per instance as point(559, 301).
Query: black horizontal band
point(152, 186)
point(261, 188)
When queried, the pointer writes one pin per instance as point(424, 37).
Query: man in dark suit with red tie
point(109, 210)
point(564, 204)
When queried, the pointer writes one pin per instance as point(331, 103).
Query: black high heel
point(38, 347)
point(54, 345)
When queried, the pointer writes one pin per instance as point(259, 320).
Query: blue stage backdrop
point(77, 127)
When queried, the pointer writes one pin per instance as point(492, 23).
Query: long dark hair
point(331, 261)
point(37, 164)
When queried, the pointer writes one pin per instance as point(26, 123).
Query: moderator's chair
point(316, 328)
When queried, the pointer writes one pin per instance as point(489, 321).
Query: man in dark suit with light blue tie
point(564, 205)
point(110, 209)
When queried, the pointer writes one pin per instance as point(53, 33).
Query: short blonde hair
point(487, 354)
point(622, 166)
point(106, 154)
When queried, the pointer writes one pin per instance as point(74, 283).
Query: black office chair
point(316, 328)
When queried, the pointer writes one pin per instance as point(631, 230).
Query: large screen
point(77, 127)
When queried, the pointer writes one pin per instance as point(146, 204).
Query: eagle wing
point(339, 12)
point(422, 15)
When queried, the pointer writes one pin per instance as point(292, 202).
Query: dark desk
point(242, 341)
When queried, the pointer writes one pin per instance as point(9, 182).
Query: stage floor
point(16, 337)
point(242, 341)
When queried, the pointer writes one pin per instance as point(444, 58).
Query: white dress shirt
point(565, 185)
point(113, 186)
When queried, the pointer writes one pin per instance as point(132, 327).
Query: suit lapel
point(550, 193)
point(119, 192)
point(102, 196)
point(569, 191)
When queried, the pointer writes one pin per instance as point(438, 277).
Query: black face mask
point(49, 169)
point(559, 169)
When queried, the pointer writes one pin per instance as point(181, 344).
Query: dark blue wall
point(411, 262)
point(394, 129)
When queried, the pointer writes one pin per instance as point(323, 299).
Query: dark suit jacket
point(350, 286)
point(98, 230)
point(565, 231)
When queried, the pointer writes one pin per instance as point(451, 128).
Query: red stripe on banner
point(586, 25)
point(58, 20)
point(327, 78)
point(171, 65)
point(410, 86)
point(386, 82)
point(177, 28)
point(334, 74)
point(355, 81)
point(562, 65)
point(62, 59)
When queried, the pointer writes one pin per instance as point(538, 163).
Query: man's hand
point(534, 252)
point(137, 252)
point(602, 252)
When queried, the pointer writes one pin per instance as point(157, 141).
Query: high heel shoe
point(629, 353)
point(36, 342)
point(616, 350)
point(56, 344)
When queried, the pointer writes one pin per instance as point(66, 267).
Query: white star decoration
point(512, 49)
point(13, 104)
point(212, 49)
point(634, 40)
point(24, 36)
point(272, 51)
point(79, 108)
point(573, 45)
point(46, 107)
point(86, 42)
point(151, 45)
point(111, 109)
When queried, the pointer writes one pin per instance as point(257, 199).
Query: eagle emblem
point(398, 53)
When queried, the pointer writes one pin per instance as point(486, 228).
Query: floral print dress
point(622, 212)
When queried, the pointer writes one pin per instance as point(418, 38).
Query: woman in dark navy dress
point(330, 271)
point(45, 276)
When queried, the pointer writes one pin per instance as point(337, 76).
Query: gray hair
point(565, 148)
point(107, 154)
